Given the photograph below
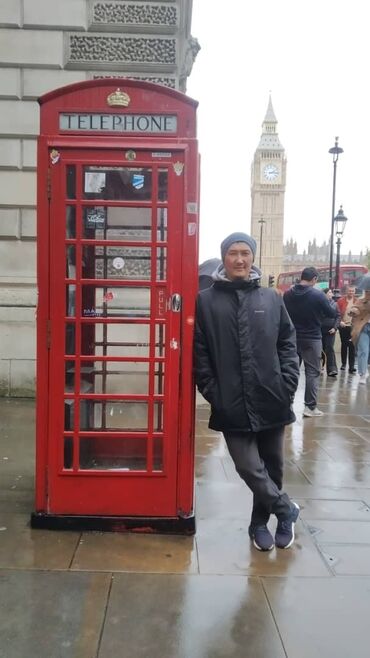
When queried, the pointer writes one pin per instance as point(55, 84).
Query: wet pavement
point(100, 595)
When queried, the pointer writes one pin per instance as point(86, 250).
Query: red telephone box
point(117, 276)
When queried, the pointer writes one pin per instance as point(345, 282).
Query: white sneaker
point(312, 413)
point(363, 379)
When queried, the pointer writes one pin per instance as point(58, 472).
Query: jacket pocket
point(209, 392)
point(287, 394)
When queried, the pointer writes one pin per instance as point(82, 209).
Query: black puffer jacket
point(246, 362)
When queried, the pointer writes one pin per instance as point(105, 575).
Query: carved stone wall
point(120, 52)
point(166, 81)
point(139, 13)
point(45, 45)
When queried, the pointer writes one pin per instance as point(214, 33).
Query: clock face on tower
point(270, 172)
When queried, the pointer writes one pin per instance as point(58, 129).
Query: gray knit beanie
point(238, 237)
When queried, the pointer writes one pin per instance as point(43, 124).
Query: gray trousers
point(259, 459)
point(309, 351)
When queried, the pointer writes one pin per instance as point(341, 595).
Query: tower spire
point(270, 138)
point(270, 114)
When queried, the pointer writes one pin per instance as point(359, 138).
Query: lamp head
point(336, 150)
point(340, 221)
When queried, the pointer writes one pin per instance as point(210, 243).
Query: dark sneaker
point(261, 537)
point(343, 367)
point(284, 536)
point(352, 370)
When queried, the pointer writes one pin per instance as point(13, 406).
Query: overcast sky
point(314, 58)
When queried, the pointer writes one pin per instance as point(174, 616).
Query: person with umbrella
point(205, 272)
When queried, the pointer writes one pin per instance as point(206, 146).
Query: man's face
point(351, 292)
point(238, 261)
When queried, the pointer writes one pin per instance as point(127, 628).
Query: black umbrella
point(364, 283)
point(205, 272)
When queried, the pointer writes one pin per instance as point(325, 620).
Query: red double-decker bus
point(349, 275)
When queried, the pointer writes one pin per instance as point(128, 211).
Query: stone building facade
point(317, 255)
point(46, 44)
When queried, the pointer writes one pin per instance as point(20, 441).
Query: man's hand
point(332, 331)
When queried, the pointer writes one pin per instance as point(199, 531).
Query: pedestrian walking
point(360, 335)
point(246, 366)
point(307, 307)
point(329, 328)
point(345, 305)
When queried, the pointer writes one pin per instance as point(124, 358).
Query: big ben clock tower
point(267, 190)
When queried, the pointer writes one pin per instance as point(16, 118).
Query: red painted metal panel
point(81, 297)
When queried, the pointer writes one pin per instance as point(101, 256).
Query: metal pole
point(331, 253)
point(336, 150)
point(337, 265)
point(261, 222)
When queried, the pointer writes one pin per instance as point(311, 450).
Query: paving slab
point(340, 532)
point(210, 469)
point(229, 500)
point(354, 448)
point(18, 413)
point(364, 432)
point(51, 614)
point(210, 444)
point(224, 547)
point(337, 474)
point(333, 507)
point(16, 493)
point(333, 420)
point(98, 551)
point(17, 452)
point(21, 547)
point(309, 449)
point(189, 617)
point(325, 617)
point(347, 560)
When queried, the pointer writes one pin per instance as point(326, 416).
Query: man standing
point(246, 366)
point(345, 305)
point(307, 307)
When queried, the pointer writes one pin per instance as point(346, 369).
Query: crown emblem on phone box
point(118, 98)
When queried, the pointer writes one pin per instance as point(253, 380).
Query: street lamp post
point(340, 224)
point(261, 222)
point(335, 151)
